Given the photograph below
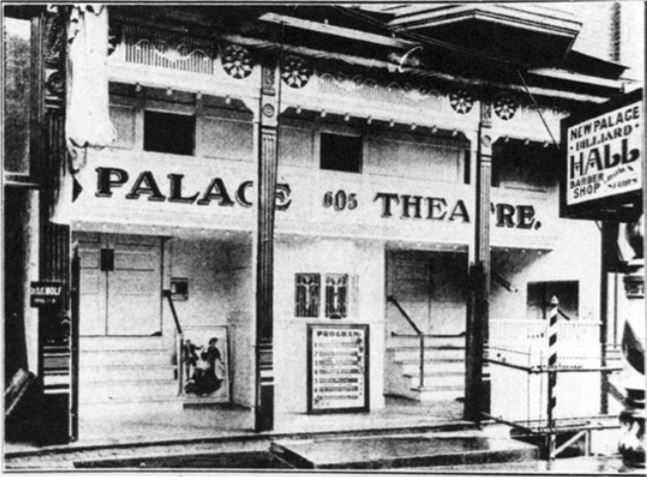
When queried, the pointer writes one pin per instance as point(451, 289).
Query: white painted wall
point(220, 293)
point(575, 257)
point(296, 255)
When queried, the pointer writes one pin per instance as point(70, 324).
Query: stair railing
point(179, 342)
point(420, 334)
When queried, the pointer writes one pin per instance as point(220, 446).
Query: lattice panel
point(179, 55)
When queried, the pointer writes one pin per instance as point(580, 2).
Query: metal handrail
point(167, 295)
point(419, 333)
point(391, 299)
point(179, 341)
point(564, 315)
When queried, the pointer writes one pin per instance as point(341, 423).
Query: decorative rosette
point(505, 107)
point(237, 61)
point(461, 100)
point(295, 71)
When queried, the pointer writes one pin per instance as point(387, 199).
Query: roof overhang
point(528, 33)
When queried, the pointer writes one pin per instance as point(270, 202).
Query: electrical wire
point(534, 101)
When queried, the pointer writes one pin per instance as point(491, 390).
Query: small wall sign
point(179, 289)
point(46, 293)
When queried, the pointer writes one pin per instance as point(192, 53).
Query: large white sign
point(604, 155)
point(128, 190)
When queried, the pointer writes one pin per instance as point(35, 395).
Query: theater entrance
point(121, 285)
point(425, 325)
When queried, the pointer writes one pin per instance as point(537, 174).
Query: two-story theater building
point(322, 189)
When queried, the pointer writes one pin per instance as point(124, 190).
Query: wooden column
point(609, 243)
point(477, 392)
point(267, 166)
point(54, 240)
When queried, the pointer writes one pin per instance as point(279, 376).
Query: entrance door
point(121, 284)
point(409, 282)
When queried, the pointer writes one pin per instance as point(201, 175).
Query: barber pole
point(632, 417)
point(552, 354)
point(552, 375)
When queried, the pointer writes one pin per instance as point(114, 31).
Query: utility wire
point(534, 101)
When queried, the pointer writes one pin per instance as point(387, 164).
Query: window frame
point(184, 112)
point(341, 131)
point(29, 177)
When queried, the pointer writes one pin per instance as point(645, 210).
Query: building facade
point(305, 209)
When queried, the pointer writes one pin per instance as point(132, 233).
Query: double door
point(120, 285)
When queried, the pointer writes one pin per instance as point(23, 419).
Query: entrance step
point(113, 357)
point(400, 353)
point(412, 366)
point(105, 343)
point(437, 392)
point(130, 408)
point(444, 368)
point(133, 371)
point(118, 372)
point(389, 452)
point(438, 379)
point(397, 341)
point(128, 391)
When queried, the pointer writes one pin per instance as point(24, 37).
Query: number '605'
point(340, 200)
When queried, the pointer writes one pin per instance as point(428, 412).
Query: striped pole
point(552, 375)
point(552, 349)
point(632, 417)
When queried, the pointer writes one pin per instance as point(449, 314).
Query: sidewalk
point(217, 428)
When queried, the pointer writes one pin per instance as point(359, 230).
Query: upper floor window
point(340, 152)
point(540, 293)
point(17, 71)
point(168, 132)
point(516, 165)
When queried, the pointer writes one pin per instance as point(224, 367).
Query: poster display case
point(338, 368)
